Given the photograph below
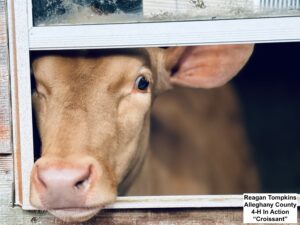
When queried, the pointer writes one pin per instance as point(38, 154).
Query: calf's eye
point(141, 83)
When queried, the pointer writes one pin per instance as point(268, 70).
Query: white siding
point(196, 7)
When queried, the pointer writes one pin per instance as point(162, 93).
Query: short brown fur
point(91, 112)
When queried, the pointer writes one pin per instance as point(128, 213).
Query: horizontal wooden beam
point(15, 216)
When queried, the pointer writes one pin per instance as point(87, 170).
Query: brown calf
point(93, 114)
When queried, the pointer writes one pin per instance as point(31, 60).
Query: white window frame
point(23, 38)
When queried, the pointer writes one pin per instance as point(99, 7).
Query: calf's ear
point(205, 66)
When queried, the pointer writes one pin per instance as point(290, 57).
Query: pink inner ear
point(173, 55)
point(199, 57)
point(185, 55)
point(210, 66)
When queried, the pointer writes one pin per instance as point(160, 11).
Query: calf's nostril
point(82, 184)
point(84, 181)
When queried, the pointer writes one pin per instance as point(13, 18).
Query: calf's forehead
point(61, 66)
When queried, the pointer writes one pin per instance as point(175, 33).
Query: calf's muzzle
point(64, 185)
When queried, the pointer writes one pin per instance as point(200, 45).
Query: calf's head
point(93, 117)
